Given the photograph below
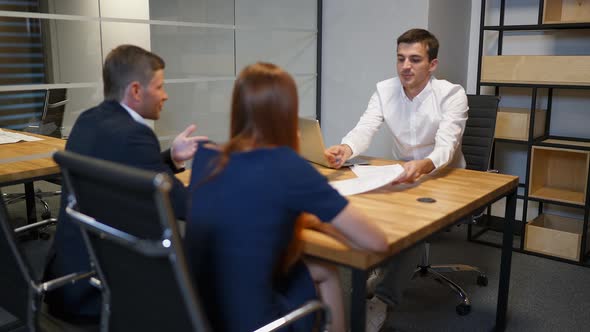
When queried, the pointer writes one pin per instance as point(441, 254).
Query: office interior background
point(206, 43)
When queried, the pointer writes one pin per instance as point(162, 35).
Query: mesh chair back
point(15, 276)
point(147, 285)
point(53, 113)
point(478, 138)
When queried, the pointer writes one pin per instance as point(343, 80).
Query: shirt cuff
point(437, 160)
point(179, 165)
point(352, 148)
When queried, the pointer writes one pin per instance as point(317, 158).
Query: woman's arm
point(352, 227)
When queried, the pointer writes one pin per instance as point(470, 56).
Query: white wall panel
point(359, 49)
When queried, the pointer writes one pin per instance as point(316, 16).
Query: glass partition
point(49, 44)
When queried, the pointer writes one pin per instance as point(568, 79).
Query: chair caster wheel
point(463, 309)
point(482, 280)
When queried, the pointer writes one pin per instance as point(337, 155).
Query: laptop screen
point(311, 142)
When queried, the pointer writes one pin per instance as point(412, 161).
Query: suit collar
point(138, 118)
point(115, 106)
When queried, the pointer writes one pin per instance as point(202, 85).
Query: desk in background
point(407, 222)
point(26, 162)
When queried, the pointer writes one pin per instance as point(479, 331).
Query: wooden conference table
point(26, 162)
point(407, 222)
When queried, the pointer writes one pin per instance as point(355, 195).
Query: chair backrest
point(16, 292)
point(53, 112)
point(478, 138)
point(36, 111)
point(132, 236)
point(18, 110)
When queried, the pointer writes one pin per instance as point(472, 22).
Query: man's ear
point(433, 65)
point(133, 91)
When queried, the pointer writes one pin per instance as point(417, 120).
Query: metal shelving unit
point(545, 140)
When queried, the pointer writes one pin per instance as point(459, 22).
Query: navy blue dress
point(240, 223)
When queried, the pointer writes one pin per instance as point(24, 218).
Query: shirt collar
point(421, 96)
point(138, 118)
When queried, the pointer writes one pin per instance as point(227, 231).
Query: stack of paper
point(368, 178)
point(11, 137)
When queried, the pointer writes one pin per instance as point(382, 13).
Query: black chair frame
point(477, 145)
point(16, 268)
point(168, 245)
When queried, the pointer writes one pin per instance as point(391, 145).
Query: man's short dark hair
point(125, 64)
point(421, 36)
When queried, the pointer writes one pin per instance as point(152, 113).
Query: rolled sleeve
point(359, 138)
point(451, 128)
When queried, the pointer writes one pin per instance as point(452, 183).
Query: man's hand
point(184, 147)
point(338, 154)
point(414, 169)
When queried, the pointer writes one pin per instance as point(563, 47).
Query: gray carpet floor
point(545, 295)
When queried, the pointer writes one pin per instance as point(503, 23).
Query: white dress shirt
point(134, 115)
point(429, 126)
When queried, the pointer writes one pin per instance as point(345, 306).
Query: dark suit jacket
point(106, 132)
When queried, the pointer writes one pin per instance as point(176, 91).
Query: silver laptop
point(311, 144)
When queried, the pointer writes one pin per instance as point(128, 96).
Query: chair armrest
point(95, 282)
point(62, 281)
point(33, 127)
point(58, 104)
point(36, 225)
point(304, 310)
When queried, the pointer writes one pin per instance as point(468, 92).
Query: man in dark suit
point(116, 130)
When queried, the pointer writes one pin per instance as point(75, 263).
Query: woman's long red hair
point(264, 112)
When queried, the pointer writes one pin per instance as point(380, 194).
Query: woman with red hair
point(248, 199)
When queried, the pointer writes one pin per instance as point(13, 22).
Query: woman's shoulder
point(206, 151)
point(281, 154)
point(290, 158)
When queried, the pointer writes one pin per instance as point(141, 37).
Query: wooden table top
point(28, 160)
point(396, 210)
point(406, 221)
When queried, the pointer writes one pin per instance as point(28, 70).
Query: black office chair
point(20, 289)
point(133, 240)
point(477, 144)
point(50, 123)
point(52, 115)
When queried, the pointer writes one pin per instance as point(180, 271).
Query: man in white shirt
point(426, 117)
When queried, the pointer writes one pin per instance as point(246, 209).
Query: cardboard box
point(554, 235)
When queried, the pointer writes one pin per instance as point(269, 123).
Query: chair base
point(13, 326)
point(434, 272)
point(10, 198)
point(39, 195)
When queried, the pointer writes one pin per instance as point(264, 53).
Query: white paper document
point(368, 178)
point(10, 137)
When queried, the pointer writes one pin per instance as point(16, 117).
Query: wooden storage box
point(566, 11)
point(536, 69)
point(559, 174)
point(554, 235)
point(513, 123)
